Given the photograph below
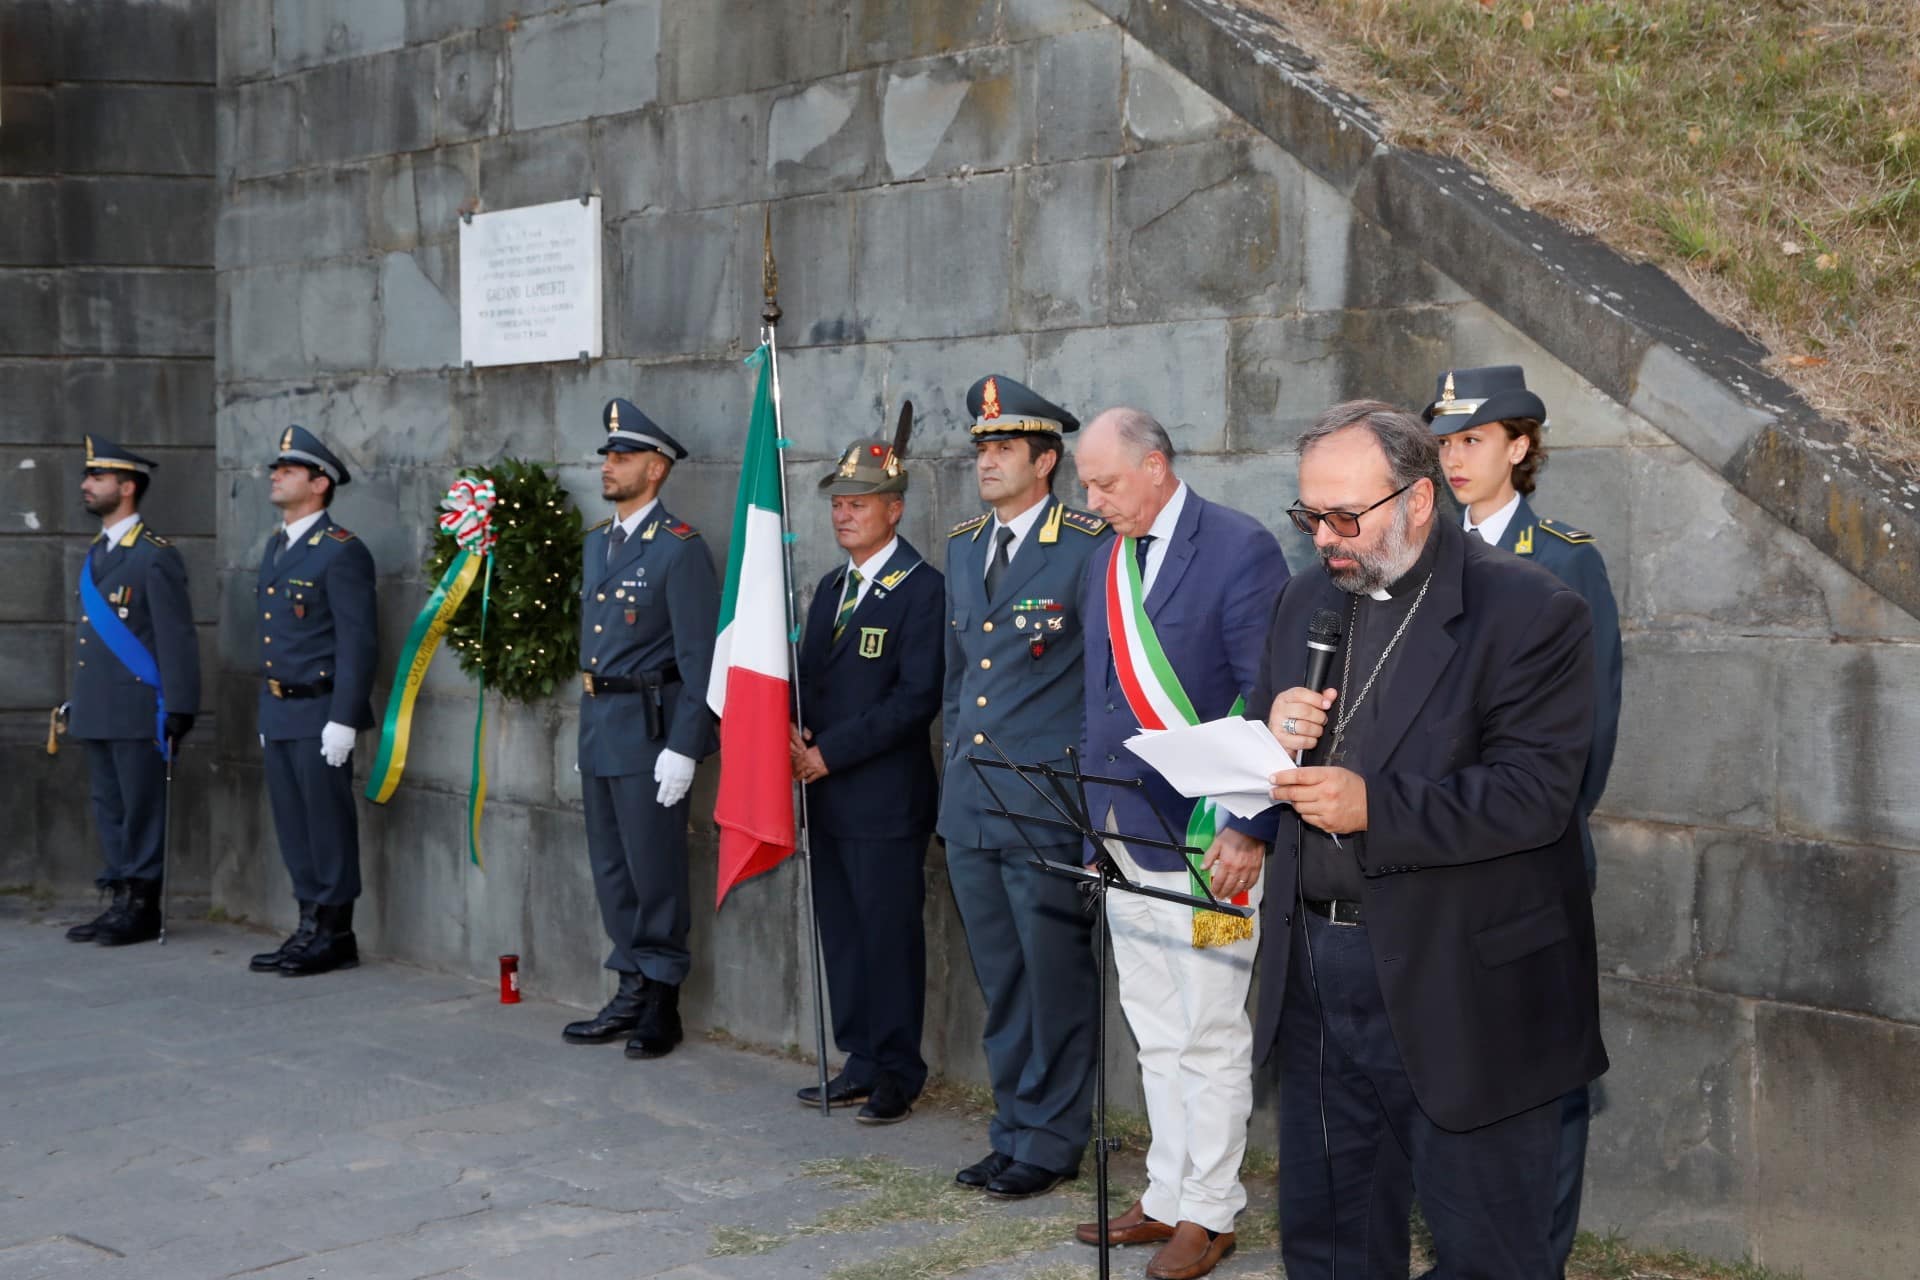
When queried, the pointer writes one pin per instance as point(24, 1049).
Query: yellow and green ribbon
point(468, 505)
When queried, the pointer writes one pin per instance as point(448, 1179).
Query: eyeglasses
point(1344, 523)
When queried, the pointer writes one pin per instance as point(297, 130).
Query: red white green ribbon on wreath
point(1154, 694)
point(467, 517)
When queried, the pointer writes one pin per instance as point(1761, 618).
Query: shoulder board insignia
point(155, 538)
point(1566, 533)
point(338, 534)
point(1085, 521)
point(972, 526)
point(683, 531)
point(603, 524)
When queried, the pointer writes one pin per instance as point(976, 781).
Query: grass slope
point(1764, 152)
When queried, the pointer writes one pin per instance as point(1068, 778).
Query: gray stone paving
point(166, 1114)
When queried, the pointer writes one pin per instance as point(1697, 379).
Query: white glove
point(336, 743)
point(674, 773)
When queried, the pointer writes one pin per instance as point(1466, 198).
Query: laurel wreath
point(531, 644)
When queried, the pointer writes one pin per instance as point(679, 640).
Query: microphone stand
point(1071, 812)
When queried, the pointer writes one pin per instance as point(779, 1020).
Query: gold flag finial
point(769, 274)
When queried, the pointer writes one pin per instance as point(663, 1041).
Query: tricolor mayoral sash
point(1153, 692)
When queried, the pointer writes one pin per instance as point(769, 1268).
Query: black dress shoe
point(269, 961)
point(86, 932)
point(981, 1172)
point(659, 1027)
point(1020, 1180)
point(135, 920)
point(331, 947)
point(889, 1104)
point(618, 1017)
point(841, 1092)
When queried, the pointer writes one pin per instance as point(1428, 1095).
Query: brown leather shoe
point(1190, 1253)
point(1131, 1227)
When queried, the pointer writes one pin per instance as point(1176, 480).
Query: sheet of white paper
point(1228, 759)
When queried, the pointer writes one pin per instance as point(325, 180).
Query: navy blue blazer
point(318, 621)
point(1472, 883)
point(870, 698)
point(1571, 556)
point(142, 578)
point(1013, 669)
point(656, 603)
point(1210, 604)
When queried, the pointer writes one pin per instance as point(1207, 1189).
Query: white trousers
point(1188, 1010)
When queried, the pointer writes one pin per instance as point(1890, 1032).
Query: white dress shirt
point(118, 530)
point(298, 529)
point(1162, 533)
point(1021, 525)
point(1494, 527)
point(632, 523)
point(869, 568)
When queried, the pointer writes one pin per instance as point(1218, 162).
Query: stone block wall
point(106, 325)
point(956, 187)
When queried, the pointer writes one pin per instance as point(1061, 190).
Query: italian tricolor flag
point(748, 687)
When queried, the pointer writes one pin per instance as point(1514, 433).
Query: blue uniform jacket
point(144, 579)
point(656, 604)
point(1210, 605)
point(318, 621)
point(869, 698)
point(1571, 556)
point(1013, 669)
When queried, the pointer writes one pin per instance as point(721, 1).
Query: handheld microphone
point(1323, 641)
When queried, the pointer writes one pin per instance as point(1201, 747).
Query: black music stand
point(1072, 813)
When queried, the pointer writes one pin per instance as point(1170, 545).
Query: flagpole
point(769, 323)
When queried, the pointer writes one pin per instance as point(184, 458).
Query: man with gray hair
point(1430, 981)
point(1192, 583)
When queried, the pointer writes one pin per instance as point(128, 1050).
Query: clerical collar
point(1409, 582)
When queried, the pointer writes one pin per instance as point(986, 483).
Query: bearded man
point(1430, 980)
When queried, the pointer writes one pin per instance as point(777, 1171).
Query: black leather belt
point(281, 689)
point(1337, 910)
point(649, 683)
point(642, 683)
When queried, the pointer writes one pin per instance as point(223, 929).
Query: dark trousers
point(1487, 1193)
point(1570, 1168)
point(129, 791)
point(870, 894)
point(1031, 940)
point(315, 818)
point(638, 851)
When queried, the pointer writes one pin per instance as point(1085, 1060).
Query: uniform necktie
point(849, 603)
point(1476, 535)
point(997, 563)
point(1140, 545)
point(97, 556)
point(275, 547)
point(616, 538)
